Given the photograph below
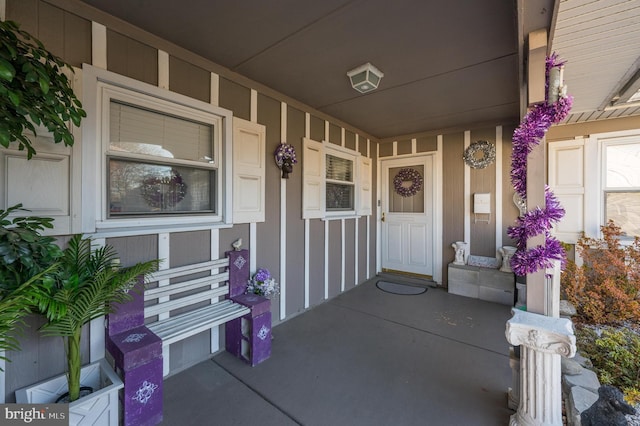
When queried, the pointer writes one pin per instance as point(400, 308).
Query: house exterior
point(315, 250)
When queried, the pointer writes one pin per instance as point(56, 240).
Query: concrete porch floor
point(366, 357)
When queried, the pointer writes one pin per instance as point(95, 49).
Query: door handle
point(382, 219)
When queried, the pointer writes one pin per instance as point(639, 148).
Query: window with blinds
point(622, 185)
point(340, 187)
point(159, 163)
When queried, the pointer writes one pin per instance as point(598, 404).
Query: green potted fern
point(87, 286)
point(26, 256)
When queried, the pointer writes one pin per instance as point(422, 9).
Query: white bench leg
point(165, 360)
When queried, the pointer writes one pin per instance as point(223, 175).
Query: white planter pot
point(99, 408)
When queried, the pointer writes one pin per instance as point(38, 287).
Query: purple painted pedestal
point(137, 354)
point(249, 337)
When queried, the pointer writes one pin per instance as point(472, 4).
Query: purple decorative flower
point(262, 275)
point(526, 137)
point(262, 284)
point(285, 150)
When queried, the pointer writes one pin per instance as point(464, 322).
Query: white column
point(98, 45)
point(542, 341)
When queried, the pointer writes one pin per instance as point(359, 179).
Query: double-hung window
point(336, 181)
point(159, 159)
point(621, 185)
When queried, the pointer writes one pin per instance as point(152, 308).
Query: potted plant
point(34, 91)
point(86, 286)
point(25, 257)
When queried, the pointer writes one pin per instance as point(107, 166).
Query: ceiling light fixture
point(365, 78)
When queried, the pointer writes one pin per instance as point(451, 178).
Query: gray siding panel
point(229, 235)
point(452, 197)
point(316, 130)
point(427, 143)
point(335, 258)
point(189, 79)
point(386, 149)
point(362, 249)
point(236, 98)
point(335, 134)
point(295, 224)
point(483, 234)
point(189, 247)
point(350, 140)
point(135, 249)
point(316, 261)
point(131, 58)
point(268, 232)
point(509, 210)
point(404, 147)
point(362, 145)
point(350, 253)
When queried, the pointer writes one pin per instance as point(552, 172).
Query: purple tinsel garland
point(539, 221)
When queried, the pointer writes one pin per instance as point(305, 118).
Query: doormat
point(403, 289)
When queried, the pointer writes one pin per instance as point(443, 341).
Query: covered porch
point(366, 357)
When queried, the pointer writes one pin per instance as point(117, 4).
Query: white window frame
point(99, 88)
point(312, 181)
point(607, 140)
point(348, 155)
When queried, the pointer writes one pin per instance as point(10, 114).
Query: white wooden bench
point(188, 300)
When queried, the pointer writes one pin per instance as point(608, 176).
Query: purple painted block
point(260, 339)
point(249, 338)
point(128, 315)
point(134, 348)
point(142, 396)
point(258, 304)
point(238, 271)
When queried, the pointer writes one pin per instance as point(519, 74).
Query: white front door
point(407, 215)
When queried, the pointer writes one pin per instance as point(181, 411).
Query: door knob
point(382, 219)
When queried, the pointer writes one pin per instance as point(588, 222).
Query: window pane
point(624, 209)
point(339, 169)
point(143, 131)
point(623, 166)
point(339, 197)
point(140, 188)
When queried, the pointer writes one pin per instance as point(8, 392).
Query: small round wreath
point(285, 150)
point(488, 151)
point(163, 191)
point(407, 175)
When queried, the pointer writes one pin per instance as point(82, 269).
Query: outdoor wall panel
point(295, 224)
point(131, 58)
point(452, 197)
point(404, 147)
point(229, 235)
point(427, 143)
point(509, 211)
point(386, 149)
point(64, 34)
point(350, 140)
point(189, 79)
point(316, 261)
point(316, 128)
point(362, 145)
point(483, 234)
point(349, 253)
point(362, 249)
point(189, 247)
point(236, 98)
point(132, 250)
point(335, 257)
point(335, 134)
point(268, 232)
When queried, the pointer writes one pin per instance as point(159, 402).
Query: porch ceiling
point(446, 64)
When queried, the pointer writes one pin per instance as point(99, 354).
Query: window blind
point(339, 168)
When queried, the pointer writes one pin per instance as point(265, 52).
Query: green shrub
point(615, 354)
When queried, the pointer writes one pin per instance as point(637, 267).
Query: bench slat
point(182, 326)
point(165, 274)
point(168, 290)
point(185, 301)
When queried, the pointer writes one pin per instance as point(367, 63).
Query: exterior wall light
point(365, 78)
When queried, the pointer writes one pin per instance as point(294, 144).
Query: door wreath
point(407, 175)
point(163, 191)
